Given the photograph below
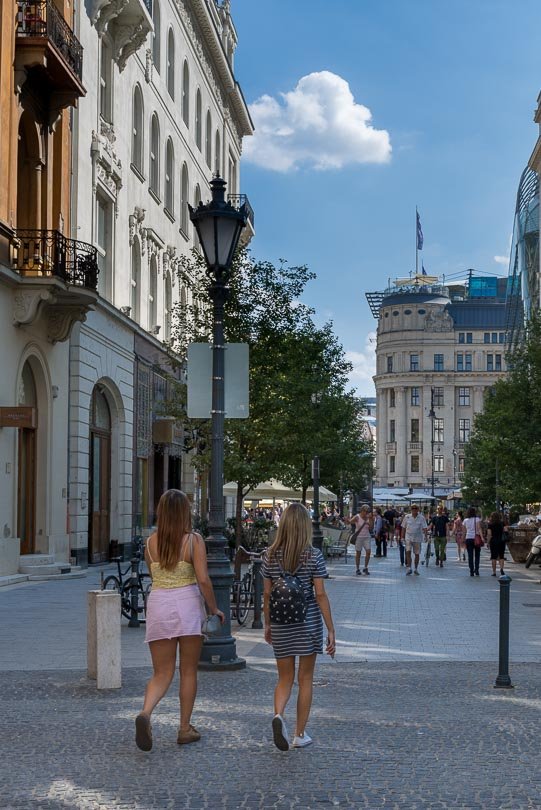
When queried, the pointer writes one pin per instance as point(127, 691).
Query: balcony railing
point(238, 200)
point(49, 253)
point(43, 20)
point(390, 447)
point(415, 446)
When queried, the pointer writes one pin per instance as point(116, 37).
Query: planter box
point(520, 542)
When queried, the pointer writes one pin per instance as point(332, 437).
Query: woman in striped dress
point(292, 552)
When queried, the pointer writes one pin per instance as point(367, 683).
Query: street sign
point(236, 380)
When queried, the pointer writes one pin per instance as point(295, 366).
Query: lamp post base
point(219, 666)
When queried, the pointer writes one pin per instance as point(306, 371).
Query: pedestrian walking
point(439, 523)
point(363, 523)
point(474, 540)
point(177, 561)
point(380, 533)
point(414, 528)
point(460, 536)
point(294, 606)
point(496, 541)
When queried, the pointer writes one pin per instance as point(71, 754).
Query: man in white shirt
point(414, 528)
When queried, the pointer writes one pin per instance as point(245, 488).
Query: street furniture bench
point(339, 542)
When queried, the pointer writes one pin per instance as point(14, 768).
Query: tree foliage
point(503, 457)
point(299, 406)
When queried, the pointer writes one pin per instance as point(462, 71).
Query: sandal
point(143, 732)
point(190, 736)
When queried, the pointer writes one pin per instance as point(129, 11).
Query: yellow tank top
point(180, 576)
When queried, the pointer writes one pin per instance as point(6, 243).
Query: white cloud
point(502, 259)
point(317, 124)
point(364, 367)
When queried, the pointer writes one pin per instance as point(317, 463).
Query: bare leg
point(304, 700)
point(367, 554)
point(494, 565)
point(357, 559)
point(286, 676)
point(190, 650)
point(164, 657)
point(408, 558)
point(501, 561)
point(416, 559)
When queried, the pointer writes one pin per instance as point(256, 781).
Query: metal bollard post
point(503, 681)
point(257, 624)
point(134, 593)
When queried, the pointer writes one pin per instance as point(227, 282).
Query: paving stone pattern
point(386, 735)
point(407, 717)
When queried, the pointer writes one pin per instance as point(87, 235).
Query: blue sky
point(451, 86)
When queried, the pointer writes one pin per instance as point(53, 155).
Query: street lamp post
point(218, 225)
point(432, 416)
point(317, 536)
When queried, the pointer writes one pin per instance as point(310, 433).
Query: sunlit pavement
point(407, 716)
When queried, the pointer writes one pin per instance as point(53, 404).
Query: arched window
point(218, 151)
point(184, 199)
point(153, 295)
point(197, 200)
point(198, 122)
point(169, 176)
point(168, 306)
point(155, 155)
point(156, 18)
point(171, 63)
point(186, 94)
point(208, 141)
point(137, 131)
point(135, 280)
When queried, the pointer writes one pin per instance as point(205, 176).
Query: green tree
point(298, 404)
point(503, 457)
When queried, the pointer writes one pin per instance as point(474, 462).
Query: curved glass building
point(523, 294)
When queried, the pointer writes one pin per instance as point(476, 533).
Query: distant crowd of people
point(409, 529)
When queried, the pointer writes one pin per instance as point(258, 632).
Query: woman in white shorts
point(363, 523)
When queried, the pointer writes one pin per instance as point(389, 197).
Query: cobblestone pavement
point(386, 735)
point(407, 717)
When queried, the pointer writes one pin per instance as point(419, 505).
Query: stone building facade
point(47, 279)
point(163, 112)
point(439, 350)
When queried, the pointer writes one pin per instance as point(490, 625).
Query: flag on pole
point(420, 237)
point(423, 271)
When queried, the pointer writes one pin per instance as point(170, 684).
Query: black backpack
point(287, 599)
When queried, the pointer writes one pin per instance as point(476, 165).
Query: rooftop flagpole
point(416, 241)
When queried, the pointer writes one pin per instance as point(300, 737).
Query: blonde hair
point(294, 536)
point(174, 521)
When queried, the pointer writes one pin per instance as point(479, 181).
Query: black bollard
point(134, 593)
point(257, 624)
point(503, 681)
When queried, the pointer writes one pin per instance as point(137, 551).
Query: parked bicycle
point(243, 588)
point(122, 581)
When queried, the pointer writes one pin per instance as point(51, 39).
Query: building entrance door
point(26, 490)
point(100, 479)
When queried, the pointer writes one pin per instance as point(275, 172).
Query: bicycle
point(243, 588)
point(121, 582)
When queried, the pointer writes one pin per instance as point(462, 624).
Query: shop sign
point(20, 416)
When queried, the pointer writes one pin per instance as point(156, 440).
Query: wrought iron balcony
point(50, 254)
point(238, 200)
point(247, 233)
point(45, 40)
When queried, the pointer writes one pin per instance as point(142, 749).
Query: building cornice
point(221, 63)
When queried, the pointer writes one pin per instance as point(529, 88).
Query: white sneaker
point(301, 742)
point(279, 733)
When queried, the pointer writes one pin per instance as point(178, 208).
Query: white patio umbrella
point(265, 490)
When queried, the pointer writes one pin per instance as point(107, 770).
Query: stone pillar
point(401, 437)
point(104, 662)
point(382, 416)
point(478, 399)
